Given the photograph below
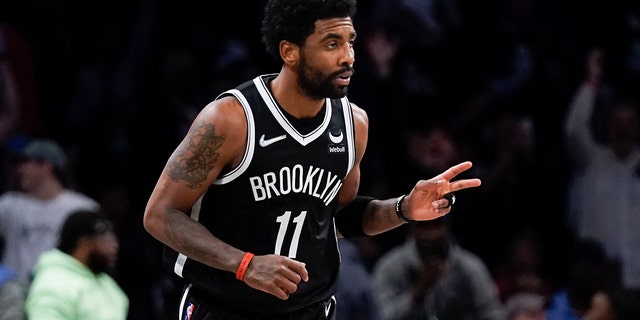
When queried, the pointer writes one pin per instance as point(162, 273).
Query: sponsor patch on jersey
point(337, 148)
point(188, 311)
point(336, 137)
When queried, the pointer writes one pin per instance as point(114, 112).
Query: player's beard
point(317, 85)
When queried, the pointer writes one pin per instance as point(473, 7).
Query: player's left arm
point(378, 215)
point(424, 202)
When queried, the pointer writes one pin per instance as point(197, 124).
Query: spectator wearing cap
point(72, 281)
point(31, 215)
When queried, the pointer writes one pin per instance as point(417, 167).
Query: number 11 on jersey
point(283, 220)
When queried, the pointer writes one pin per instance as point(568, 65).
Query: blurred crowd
point(542, 96)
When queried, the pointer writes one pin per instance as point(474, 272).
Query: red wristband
point(244, 264)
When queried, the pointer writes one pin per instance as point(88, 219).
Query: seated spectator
point(431, 277)
point(72, 280)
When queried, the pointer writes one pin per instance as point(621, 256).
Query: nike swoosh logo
point(266, 142)
point(327, 307)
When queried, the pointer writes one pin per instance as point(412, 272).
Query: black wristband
point(399, 209)
point(349, 219)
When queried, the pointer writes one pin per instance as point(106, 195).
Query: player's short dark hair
point(294, 20)
point(79, 224)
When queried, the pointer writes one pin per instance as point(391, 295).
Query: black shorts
point(194, 307)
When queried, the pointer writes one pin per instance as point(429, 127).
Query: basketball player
point(250, 203)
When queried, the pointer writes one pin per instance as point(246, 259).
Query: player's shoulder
point(225, 111)
point(359, 115)
point(224, 103)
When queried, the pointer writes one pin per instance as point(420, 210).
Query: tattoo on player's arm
point(195, 158)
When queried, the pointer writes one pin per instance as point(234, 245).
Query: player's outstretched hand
point(276, 275)
point(427, 201)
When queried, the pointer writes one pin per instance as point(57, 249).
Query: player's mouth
point(344, 78)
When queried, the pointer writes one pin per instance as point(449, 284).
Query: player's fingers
point(281, 293)
point(436, 184)
point(299, 268)
point(441, 211)
point(455, 170)
point(431, 184)
point(287, 286)
point(277, 286)
point(464, 184)
point(440, 204)
point(281, 285)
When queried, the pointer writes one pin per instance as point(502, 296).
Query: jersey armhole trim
point(350, 128)
point(248, 153)
point(181, 260)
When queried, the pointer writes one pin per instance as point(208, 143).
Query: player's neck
point(291, 98)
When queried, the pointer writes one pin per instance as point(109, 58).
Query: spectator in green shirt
point(71, 282)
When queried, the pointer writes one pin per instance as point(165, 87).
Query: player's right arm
point(215, 141)
point(210, 145)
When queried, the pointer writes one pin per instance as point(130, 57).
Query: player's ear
point(289, 52)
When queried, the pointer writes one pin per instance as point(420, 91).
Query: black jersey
point(281, 199)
